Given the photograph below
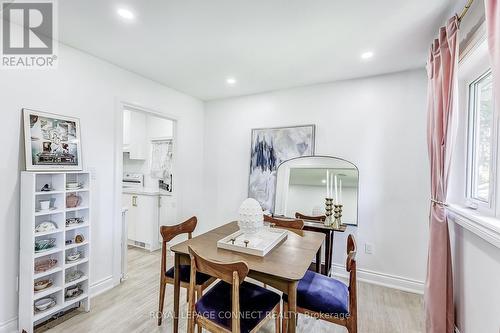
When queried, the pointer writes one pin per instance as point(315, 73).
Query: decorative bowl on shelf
point(73, 256)
point(74, 185)
point(44, 265)
point(44, 244)
point(73, 200)
point(73, 276)
point(71, 221)
point(46, 226)
point(42, 284)
point(73, 292)
point(44, 304)
point(251, 216)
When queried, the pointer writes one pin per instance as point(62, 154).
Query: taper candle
point(327, 183)
point(340, 194)
point(336, 191)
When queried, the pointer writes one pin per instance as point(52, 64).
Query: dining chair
point(232, 305)
point(320, 218)
point(203, 281)
point(285, 222)
point(325, 298)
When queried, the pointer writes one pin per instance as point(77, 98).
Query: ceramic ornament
point(251, 216)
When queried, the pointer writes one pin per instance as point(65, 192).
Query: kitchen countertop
point(146, 191)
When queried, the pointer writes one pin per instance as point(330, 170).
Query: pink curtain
point(441, 127)
point(493, 26)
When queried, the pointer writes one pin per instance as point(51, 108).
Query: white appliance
point(133, 180)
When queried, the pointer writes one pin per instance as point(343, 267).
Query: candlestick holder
point(337, 216)
point(328, 211)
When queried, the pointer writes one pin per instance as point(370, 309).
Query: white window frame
point(488, 208)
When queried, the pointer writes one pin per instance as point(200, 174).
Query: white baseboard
point(383, 279)
point(101, 286)
point(9, 326)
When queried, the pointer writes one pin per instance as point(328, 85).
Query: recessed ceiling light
point(125, 13)
point(367, 55)
point(323, 181)
point(231, 81)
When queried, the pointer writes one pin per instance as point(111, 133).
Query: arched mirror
point(303, 184)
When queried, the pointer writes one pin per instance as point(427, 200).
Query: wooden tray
point(259, 244)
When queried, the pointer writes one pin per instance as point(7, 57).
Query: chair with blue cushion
point(329, 299)
point(203, 281)
point(232, 305)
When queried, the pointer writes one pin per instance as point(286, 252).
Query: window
point(482, 142)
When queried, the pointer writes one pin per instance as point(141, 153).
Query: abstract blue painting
point(270, 147)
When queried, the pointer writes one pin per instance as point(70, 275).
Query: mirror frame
point(324, 156)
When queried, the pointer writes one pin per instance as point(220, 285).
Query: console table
point(329, 232)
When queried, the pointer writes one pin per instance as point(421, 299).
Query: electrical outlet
point(368, 248)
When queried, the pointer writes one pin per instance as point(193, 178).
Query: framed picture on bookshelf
point(52, 142)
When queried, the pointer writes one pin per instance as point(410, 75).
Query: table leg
point(318, 261)
point(331, 254)
point(292, 306)
point(177, 289)
point(328, 254)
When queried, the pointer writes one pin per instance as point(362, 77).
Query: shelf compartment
point(80, 280)
point(78, 178)
point(76, 300)
point(56, 180)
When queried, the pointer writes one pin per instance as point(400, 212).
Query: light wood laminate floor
point(129, 307)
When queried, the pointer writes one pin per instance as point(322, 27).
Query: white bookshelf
point(31, 195)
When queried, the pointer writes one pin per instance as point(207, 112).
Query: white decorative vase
point(251, 217)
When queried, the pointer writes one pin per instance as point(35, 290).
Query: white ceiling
point(194, 45)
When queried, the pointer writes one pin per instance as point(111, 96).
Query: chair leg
point(352, 327)
point(277, 319)
point(191, 323)
point(285, 317)
point(199, 293)
point(163, 286)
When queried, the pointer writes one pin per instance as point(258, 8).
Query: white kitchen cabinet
point(135, 134)
point(142, 218)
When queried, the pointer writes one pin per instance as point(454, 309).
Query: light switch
point(368, 248)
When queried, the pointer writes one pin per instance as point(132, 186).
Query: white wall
point(378, 123)
point(87, 88)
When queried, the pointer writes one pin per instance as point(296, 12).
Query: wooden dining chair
point(325, 298)
point(203, 281)
point(320, 218)
point(285, 223)
point(232, 305)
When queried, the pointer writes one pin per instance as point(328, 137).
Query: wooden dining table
point(282, 268)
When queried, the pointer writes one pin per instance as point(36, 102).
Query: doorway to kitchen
point(146, 189)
